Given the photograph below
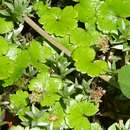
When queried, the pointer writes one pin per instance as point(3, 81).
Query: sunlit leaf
point(106, 19)
point(5, 26)
point(6, 67)
point(123, 80)
point(77, 115)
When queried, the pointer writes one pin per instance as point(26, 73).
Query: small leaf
point(123, 80)
point(77, 115)
point(13, 52)
point(18, 100)
point(3, 46)
point(80, 37)
point(96, 68)
point(85, 62)
point(106, 20)
point(34, 51)
point(5, 26)
point(87, 11)
point(39, 82)
point(51, 92)
point(20, 63)
point(55, 115)
point(95, 126)
point(41, 53)
point(6, 67)
point(87, 54)
point(119, 7)
point(57, 21)
point(48, 86)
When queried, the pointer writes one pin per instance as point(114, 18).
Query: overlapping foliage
point(46, 90)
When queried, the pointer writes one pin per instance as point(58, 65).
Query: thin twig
point(49, 38)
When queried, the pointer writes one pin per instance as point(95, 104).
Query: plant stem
point(49, 38)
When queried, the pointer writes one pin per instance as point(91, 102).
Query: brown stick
point(49, 38)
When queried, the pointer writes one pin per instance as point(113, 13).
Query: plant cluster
point(75, 76)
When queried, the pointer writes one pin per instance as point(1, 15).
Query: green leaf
point(18, 100)
point(51, 92)
point(120, 7)
point(6, 67)
point(20, 64)
point(40, 8)
point(85, 64)
point(48, 86)
point(87, 54)
point(95, 126)
point(106, 20)
point(3, 46)
point(55, 115)
point(77, 115)
point(83, 37)
point(96, 68)
point(41, 53)
point(87, 11)
point(123, 80)
point(39, 82)
point(5, 26)
point(13, 52)
point(66, 42)
point(34, 51)
point(46, 52)
point(57, 21)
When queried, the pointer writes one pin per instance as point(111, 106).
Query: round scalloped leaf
point(48, 85)
point(120, 7)
point(18, 100)
point(3, 46)
point(59, 22)
point(40, 8)
point(6, 67)
point(5, 26)
point(83, 37)
point(97, 68)
point(106, 19)
point(40, 55)
point(123, 80)
point(87, 11)
point(20, 63)
point(83, 56)
point(77, 115)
